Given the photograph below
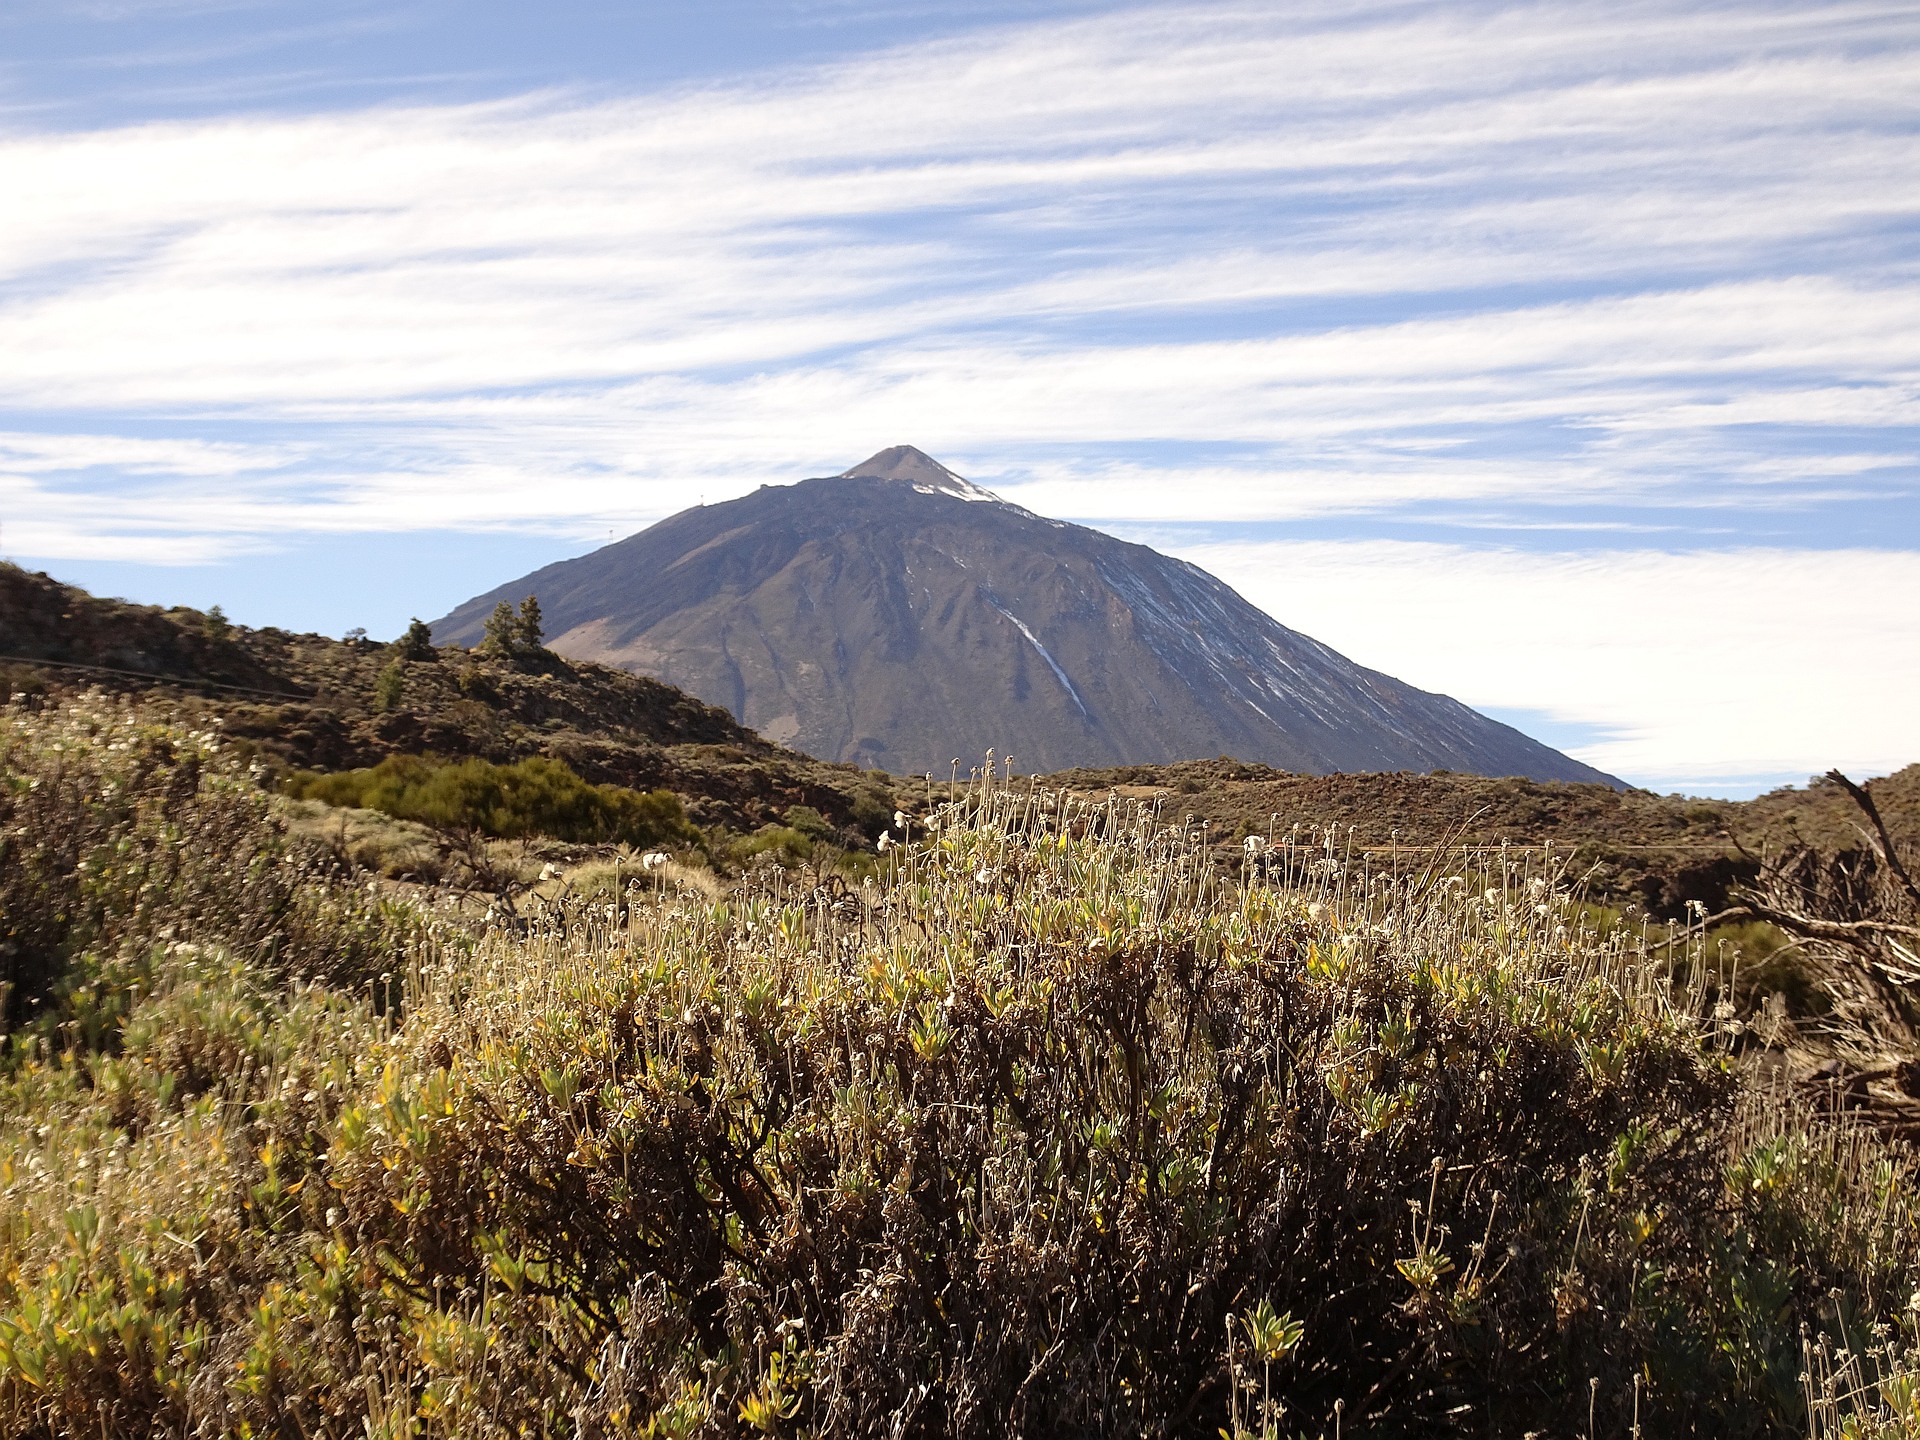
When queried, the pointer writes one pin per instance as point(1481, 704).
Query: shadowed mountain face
point(899, 616)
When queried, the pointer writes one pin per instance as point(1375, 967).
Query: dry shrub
point(624, 877)
point(120, 830)
point(1003, 1143)
point(397, 849)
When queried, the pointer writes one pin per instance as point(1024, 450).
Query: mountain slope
point(899, 616)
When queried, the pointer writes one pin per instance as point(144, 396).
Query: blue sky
point(1561, 357)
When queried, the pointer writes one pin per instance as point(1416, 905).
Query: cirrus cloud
point(1529, 268)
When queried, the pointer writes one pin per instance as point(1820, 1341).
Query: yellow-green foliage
point(529, 797)
point(1048, 1131)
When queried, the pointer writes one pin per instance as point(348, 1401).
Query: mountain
point(899, 616)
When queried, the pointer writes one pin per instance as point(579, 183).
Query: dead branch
point(1889, 854)
point(1857, 914)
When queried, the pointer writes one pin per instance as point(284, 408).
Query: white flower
point(1253, 845)
point(886, 841)
point(900, 819)
point(549, 870)
point(1316, 911)
point(652, 860)
point(1492, 897)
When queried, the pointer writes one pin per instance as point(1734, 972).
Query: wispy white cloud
point(24, 452)
point(1171, 263)
point(418, 252)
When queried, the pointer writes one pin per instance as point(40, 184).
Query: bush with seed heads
point(1051, 1130)
point(121, 829)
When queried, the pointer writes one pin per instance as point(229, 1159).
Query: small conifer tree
point(417, 643)
point(531, 628)
point(390, 687)
point(502, 633)
point(215, 624)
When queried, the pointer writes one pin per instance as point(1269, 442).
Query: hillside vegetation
point(306, 702)
point(309, 704)
point(1658, 852)
point(1053, 1129)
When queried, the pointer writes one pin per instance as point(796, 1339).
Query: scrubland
point(1046, 1128)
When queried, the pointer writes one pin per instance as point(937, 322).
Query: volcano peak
point(867, 617)
point(917, 468)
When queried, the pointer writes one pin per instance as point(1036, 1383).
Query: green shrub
point(784, 844)
point(529, 797)
point(873, 807)
point(808, 821)
point(390, 688)
point(473, 683)
point(1764, 962)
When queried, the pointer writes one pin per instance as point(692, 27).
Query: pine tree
point(531, 629)
point(502, 634)
point(417, 643)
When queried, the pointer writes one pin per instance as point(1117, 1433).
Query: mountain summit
point(886, 616)
point(919, 469)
